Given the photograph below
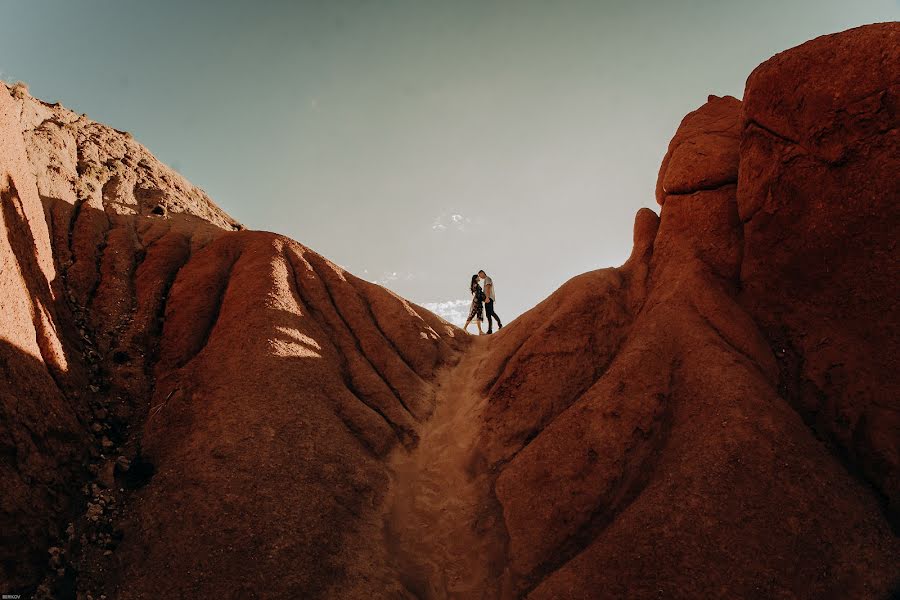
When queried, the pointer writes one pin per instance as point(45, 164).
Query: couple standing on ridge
point(482, 301)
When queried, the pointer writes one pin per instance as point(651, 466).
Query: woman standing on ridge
point(477, 309)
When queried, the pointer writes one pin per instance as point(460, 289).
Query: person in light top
point(489, 298)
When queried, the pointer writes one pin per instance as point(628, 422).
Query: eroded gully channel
point(443, 524)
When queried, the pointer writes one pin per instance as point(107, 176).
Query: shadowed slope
point(267, 442)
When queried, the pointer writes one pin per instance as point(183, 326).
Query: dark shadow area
point(62, 428)
point(40, 467)
point(44, 439)
point(139, 473)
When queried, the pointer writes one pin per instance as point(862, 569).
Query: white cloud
point(453, 311)
point(389, 277)
point(451, 220)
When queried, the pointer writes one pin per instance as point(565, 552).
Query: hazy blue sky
point(415, 142)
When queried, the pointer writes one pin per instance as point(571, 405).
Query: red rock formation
point(273, 451)
point(243, 373)
point(671, 461)
point(41, 436)
point(225, 413)
point(819, 159)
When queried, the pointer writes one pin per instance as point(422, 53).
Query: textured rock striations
point(257, 385)
point(189, 409)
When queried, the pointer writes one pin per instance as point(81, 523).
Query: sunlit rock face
point(222, 413)
point(252, 388)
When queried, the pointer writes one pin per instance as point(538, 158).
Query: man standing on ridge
point(489, 302)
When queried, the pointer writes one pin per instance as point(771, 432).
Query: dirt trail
point(443, 526)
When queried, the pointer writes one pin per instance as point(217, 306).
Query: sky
point(415, 142)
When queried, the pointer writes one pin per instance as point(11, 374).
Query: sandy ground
point(443, 529)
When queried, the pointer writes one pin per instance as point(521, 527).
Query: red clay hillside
point(191, 409)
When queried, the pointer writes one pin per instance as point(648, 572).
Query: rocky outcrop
point(190, 409)
point(84, 163)
point(818, 197)
point(144, 339)
point(711, 445)
point(703, 155)
point(42, 436)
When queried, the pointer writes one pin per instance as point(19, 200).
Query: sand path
point(442, 519)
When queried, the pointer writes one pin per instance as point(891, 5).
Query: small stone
point(107, 474)
point(55, 558)
point(123, 463)
point(106, 443)
point(106, 553)
point(70, 530)
point(94, 388)
point(96, 427)
point(94, 512)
